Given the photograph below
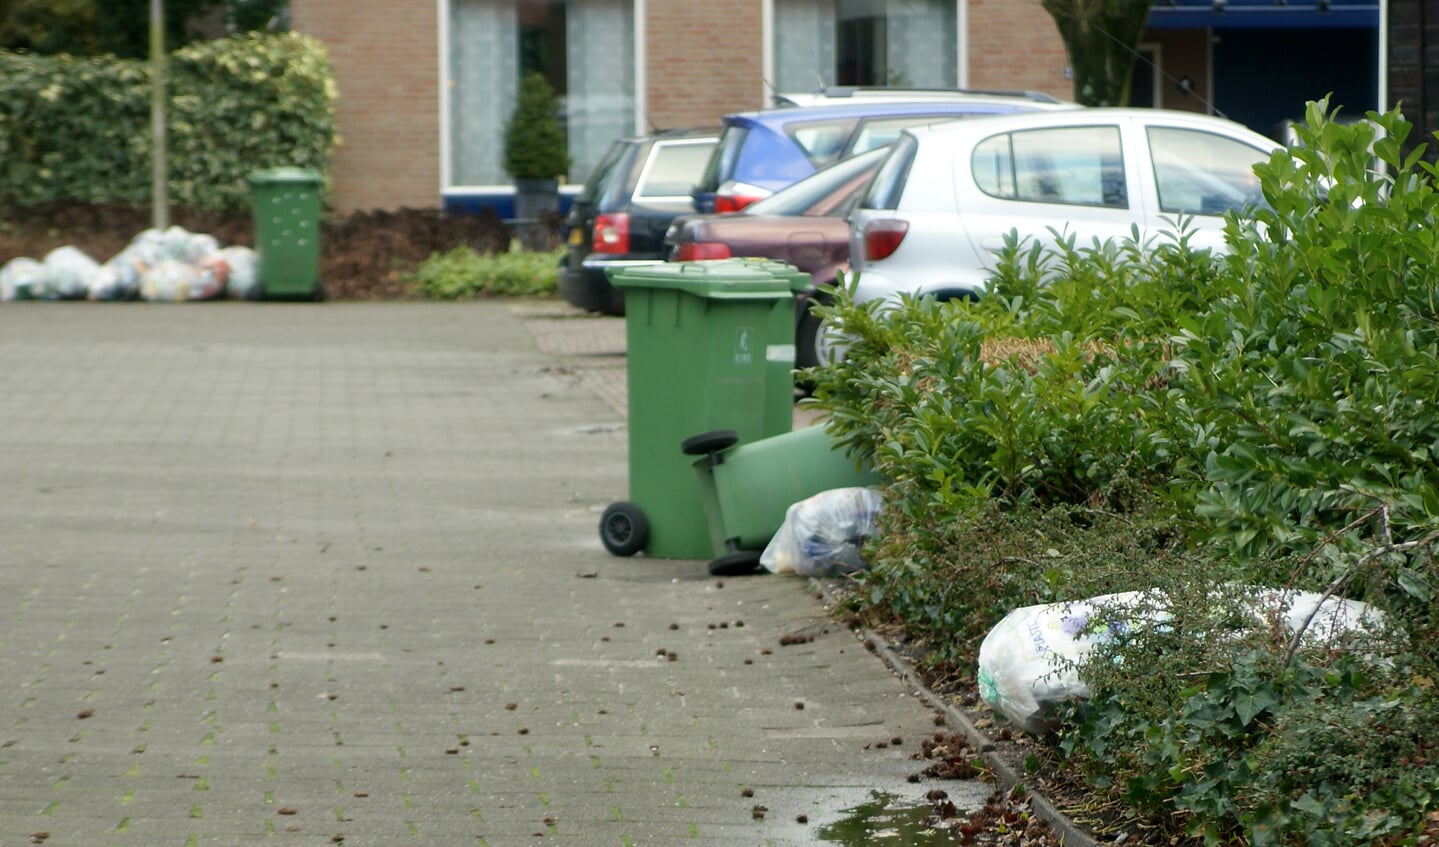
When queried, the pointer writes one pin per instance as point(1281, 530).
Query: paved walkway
point(330, 573)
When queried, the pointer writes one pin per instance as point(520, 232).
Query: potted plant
point(536, 155)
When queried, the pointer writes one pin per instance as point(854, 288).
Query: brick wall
point(1414, 67)
point(1014, 45)
point(385, 59)
point(705, 60)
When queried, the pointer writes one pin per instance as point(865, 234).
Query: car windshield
point(812, 192)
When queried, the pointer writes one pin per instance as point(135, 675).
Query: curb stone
point(1068, 832)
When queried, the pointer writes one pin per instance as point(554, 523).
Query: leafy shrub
point(79, 128)
point(464, 273)
point(1264, 418)
point(535, 145)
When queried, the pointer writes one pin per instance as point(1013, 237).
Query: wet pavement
point(330, 573)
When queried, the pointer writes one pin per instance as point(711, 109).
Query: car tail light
point(612, 233)
point(882, 237)
point(699, 251)
point(734, 196)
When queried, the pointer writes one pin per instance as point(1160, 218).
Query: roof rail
point(845, 92)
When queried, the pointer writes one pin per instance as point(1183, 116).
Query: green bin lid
point(724, 279)
point(285, 175)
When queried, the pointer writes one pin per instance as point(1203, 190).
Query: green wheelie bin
point(286, 206)
point(709, 345)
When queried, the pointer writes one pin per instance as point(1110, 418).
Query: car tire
point(738, 563)
point(807, 338)
point(709, 442)
point(624, 529)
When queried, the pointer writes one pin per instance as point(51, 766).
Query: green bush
point(1123, 416)
point(79, 128)
point(535, 146)
point(464, 273)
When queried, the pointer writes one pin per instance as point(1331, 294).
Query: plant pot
point(537, 204)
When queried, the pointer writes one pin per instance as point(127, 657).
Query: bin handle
point(692, 267)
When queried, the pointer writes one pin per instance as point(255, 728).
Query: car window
point(673, 168)
point(819, 194)
point(877, 132)
point(1076, 166)
point(723, 158)
point(888, 184)
point(821, 141)
point(602, 172)
point(1202, 173)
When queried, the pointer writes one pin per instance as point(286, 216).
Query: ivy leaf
point(1251, 704)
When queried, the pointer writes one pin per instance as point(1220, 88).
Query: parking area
point(330, 573)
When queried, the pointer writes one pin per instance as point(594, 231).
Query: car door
point(1196, 174)
point(1070, 180)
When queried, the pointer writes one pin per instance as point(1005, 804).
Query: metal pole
point(159, 198)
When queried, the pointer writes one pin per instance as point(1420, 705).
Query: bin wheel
point(739, 563)
point(624, 529)
point(709, 442)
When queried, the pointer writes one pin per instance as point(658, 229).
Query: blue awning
point(1263, 14)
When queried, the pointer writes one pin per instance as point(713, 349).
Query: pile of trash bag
point(1028, 663)
point(822, 535)
point(169, 266)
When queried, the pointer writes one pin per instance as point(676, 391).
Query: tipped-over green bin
point(286, 205)
point(709, 345)
point(747, 488)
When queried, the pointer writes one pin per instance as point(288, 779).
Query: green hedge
point(1160, 418)
point(79, 127)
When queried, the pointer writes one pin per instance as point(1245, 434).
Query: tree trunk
point(1101, 38)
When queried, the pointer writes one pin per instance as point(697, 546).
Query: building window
point(865, 42)
point(585, 48)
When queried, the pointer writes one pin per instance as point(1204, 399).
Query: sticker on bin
point(742, 354)
point(779, 353)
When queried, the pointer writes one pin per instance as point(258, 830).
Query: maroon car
point(803, 225)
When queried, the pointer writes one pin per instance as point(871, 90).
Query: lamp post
point(159, 199)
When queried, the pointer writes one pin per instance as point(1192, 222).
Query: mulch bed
point(363, 256)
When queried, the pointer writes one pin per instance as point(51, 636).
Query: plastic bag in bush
point(822, 535)
point(20, 279)
point(67, 274)
point(1028, 662)
point(169, 282)
point(244, 266)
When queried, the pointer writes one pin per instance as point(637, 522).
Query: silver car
point(944, 200)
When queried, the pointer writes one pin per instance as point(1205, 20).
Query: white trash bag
point(822, 535)
point(21, 278)
point(169, 281)
point(1027, 663)
point(67, 274)
point(244, 264)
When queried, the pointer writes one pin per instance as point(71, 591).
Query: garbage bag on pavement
point(822, 535)
point(169, 281)
point(1028, 663)
point(67, 274)
point(244, 264)
point(21, 278)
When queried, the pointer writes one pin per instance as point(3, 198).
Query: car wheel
point(709, 442)
point(740, 563)
point(807, 335)
point(624, 529)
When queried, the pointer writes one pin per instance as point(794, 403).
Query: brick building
point(427, 85)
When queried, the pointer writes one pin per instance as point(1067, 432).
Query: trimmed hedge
point(78, 128)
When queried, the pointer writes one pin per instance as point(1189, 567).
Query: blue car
point(764, 151)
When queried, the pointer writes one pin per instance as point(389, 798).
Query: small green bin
point(709, 345)
point(286, 203)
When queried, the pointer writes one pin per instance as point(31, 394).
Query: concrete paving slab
point(299, 573)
